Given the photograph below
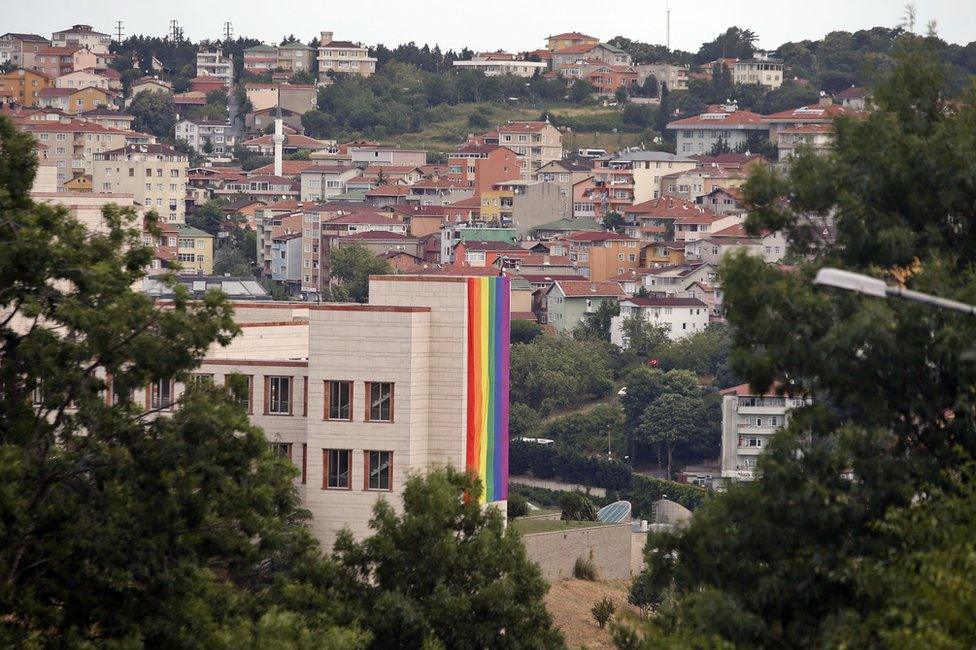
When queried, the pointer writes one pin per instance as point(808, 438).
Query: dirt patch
point(570, 602)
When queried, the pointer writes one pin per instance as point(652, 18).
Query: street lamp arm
point(868, 286)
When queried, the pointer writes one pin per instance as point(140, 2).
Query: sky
point(514, 25)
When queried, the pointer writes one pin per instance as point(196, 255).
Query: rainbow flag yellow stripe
point(489, 321)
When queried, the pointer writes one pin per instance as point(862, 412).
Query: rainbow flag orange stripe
point(486, 451)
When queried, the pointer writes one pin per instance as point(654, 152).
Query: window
point(379, 408)
point(281, 449)
point(242, 388)
point(336, 470)
point(379, 470)
point(203, 378)
point(161, 394)
point(277, 395)
point(304, 461)
point(338, 400)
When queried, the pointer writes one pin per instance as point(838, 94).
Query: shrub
point(478, 120)
point(576, 506)
point(603, 610)
point(585, 569)
point(643, 594)
point(518, 506)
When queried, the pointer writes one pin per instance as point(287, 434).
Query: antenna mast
point(119, 33)
point(228, 31)
point(174, 30)
point(667, 23)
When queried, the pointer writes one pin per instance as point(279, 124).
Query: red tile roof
point(719, 118)
point(571, 36)
point(288, 167)
point(585, 288)
point(377, 235)
point(670, 301)
point(665, 207)
point(389, 190)
point(522, 127)
point(596, 235)
point(812, 113)
point(577, 49)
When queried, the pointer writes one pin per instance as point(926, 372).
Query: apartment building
point(600, 255)
point(260, 58)
point(82, 36)
point(823, 113)
point(322, 182)
point(494, 64)
point(71, 144)
point(155, 175)
point(198, 133)
point(599, 52)
point(194, 250)
point(296, 57)
point(569, 39)
point(654, 220)
point(211, 62)
point(698, 134)
point(75, 100)
point(694, 184)
point(535, 143)
point(343, 57)
point(19, 49)
point(480, 166)
point(672, 75)
point(681, 316)
point(749, 422)
point(760, 70)
point(23, 87)
point(569, 302)
point(369, 155)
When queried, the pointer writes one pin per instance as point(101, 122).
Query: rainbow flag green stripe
point(489, 321)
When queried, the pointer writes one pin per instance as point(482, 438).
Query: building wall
point(748, 425)
point(605, 262)
point(166, 191)
point(556, 552)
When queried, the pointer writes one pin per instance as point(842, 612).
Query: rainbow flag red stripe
point(489, 321)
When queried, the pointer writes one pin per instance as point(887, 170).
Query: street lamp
point(869, 286)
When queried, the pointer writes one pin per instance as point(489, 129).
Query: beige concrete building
point(672, 75)
point(195, 250)
point(535, 143)
point(358, 397)
point(20, 49)
point(82, 36)
point(71, 144)
point(211, 62)
point(296, 57)
point(749, 422)
point(760, 70)
point(343, 57)
point(155, 175)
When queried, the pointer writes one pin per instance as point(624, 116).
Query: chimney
point(325, 38)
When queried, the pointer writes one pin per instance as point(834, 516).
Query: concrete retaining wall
point(610, 547)
point(557, 485)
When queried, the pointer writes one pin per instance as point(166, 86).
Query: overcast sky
point(492, 24)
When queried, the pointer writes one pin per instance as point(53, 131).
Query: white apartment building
point(494, 64)
point(749, 422)
point(760, 70)
point(154, 175)
point(82, 36)
point(535, 143)
point(358, 397)
point(343, 57)
point(322, 182)
point(699, 133)
point(197, 133)
point(682, 316)
point(211, 62)
point(672, 75)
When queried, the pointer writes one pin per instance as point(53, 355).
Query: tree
point(552, 371)
point(232, 262)
point(734, 43)
point(208, 217)
point(650, 86)
point(597, 324)
point(789, 560)
point(576, 506)
point(669, 420)
point(119, 529)
point(603, 611)
point(524, 331)
point(351, 266)
point(643, 337)
point(207, 146)
point(318, 124)
point(581, 91)
point(721, 146)
point(614, 221)
point(522, 420)
point(154, 113)
point(414, 578)
point(643, 595)
point(620, 95)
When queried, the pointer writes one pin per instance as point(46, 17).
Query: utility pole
point(174, 30)
point(228, 31)
point(667, 27)
point(119, 33)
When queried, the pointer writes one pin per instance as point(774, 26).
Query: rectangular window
point(338, 400)
point(243, 393)
point(277, 394)
point(379, 470)
point(379, 406)
point(336, 471)
point(161, 394)
point(281, 449)
point(304, 461)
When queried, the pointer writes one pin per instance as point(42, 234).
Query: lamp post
point(869, 286)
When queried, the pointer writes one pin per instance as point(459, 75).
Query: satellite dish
point(614, 513)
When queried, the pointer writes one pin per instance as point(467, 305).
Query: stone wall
point(559, 486)
point(556, 552)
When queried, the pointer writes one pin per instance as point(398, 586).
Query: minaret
point(279, 140)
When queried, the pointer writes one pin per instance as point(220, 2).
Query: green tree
point(522, 420)
point(208, 146)
point(208, 217)
point(645, 339)
point(597, 324)
point(581, 91)
point(231, 261)
point(576, 506)
point(789, 560)
point(154, 113)
point(318, 124)
point(614, 221)
point(671, 419)
point(603, 611)
point(524, 331)
point(121, 530)
point(551, 372)
point(444, 560)
point(351, 266)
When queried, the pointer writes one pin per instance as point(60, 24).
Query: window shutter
point(366, 467)
point(291, 396)
point(305, 396)
point(392, 393)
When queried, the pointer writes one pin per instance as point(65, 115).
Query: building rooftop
point(670, 301)
point(587, 289)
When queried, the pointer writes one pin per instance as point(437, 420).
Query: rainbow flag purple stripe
point(489, 321)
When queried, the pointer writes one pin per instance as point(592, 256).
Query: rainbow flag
point(488, 341)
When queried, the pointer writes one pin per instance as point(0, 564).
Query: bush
point(522, 421)
point(576, 506)
point(518, 506)
point(603, 610)
point(643, 595)
point(478, 120)
point(585, 569)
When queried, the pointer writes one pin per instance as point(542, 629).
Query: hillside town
point(514, 263)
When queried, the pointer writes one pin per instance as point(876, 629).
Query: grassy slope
point(570, 602)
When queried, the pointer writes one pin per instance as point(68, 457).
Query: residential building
point(693, 184)
point(299, 98)
point(493, 64)
point(23, 86)
point(654, 220)
point(723, 200)
point(681, 316)
point(267, 188)
point(155, 175)
point(195, 250)
point(344, 57)
point(83, 79)
point(647, 168)
point(822, 113)
point(260, 58)
point(602, 255)
point(441, 192)
point(321, 182)
point(530, 204)
point(761, 69)
point(613, 186)
point(203, 134)
point(563, 172)
point(286, 261)
point(535, 143)
point(82, 36)
point(672, 75)
point(483, 254)
point(108, 117)
point(854, 97)
point(600, 52)
point(561, 228)
point(481, 166)
point(700, 223)
point(749, 422)
point(211, 62)
point(20, 49)
point(743, 163)
point(293, 144)
point(257, 122)
point(71, 144)
point(673, 280)
point(75, 100)
point(817, 138)
point(55, 60)
point(726, 124)
point(569, 302)
point(607, 79)
point(366, 155)
point(380, 242)
point(151, 84)
point(296, 57)
point(569, 39)
point(470, 232)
